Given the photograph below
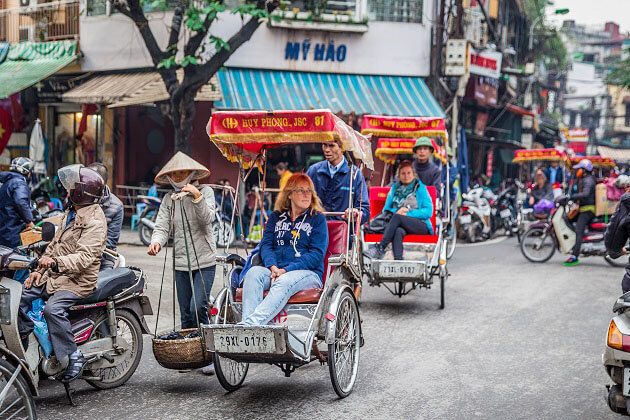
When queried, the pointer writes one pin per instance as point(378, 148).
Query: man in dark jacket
point(332, 182)
point(618, 231)
point(114, 213)
point(585, 197)
point(426, 170)
point(554, 173)
point(15, 202)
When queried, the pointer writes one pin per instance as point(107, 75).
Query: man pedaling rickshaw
point(585, 197)
point(68, 270)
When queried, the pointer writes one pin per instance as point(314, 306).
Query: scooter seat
point(112, 282)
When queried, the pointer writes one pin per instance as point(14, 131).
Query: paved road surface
point(516, 340)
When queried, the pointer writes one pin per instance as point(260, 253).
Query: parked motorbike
point(542, 238)
point(475, 212)
point(616, 357)
point(505, 211)
point(148, 217)
point(107, 326)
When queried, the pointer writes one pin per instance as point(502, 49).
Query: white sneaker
point(208, 370)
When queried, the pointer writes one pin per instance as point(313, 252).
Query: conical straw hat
point(182, 162)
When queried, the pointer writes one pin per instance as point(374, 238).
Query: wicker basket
point(186, 353)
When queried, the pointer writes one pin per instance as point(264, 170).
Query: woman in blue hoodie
point(292, 250)
point(411, 207)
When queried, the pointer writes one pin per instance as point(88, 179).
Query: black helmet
point(22, 165)
point(85, 186)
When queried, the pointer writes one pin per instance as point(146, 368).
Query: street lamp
point(563, 11)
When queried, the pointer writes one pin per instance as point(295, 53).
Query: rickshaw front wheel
point(343, 353)
point(230, 373)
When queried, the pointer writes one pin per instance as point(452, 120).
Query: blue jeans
point(259, 311)
point(187, 304)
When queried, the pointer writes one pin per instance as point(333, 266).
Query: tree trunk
point(182, 115)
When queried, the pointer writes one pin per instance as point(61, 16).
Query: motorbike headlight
point(616, 339)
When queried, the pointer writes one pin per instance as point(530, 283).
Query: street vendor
point(427, 171)
point(188, 214)
point(332, 182)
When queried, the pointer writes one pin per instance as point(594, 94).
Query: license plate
point(244, 341)
point(399, 270)
point(505, 213)
point(626, 382)
point(465, 219)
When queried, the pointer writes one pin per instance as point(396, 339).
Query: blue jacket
point(335, 191)
point(278, 246)
point(425, 205)
point(15, 207)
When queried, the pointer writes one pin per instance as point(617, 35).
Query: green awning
point(29, 62)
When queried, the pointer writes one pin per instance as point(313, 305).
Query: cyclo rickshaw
point(316, 324)
point(528, 160)
point(599, 162)
point(425, 255)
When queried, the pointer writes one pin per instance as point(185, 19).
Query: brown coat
point(77, 250)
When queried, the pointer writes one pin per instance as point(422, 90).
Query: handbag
point(378, 224)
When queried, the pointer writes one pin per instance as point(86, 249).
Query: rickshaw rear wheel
point(343, 353)
point(230, 373)
point(18, 401)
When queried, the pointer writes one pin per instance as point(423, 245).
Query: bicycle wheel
point(537, 245)
point(18, 402)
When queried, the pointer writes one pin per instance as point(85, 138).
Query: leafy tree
point(187, 48)
point(620, 74)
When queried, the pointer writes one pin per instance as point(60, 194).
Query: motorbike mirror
point(48, 231)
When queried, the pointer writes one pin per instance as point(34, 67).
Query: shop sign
point(305, 51)
point(50, 89)
point(486, 63)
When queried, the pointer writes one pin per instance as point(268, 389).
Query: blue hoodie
point(425, 204)
point(15, 207)
point(278, 246)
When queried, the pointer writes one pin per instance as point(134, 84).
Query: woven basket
point(186, 353)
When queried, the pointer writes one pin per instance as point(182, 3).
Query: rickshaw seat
point(378, 196)
point(337, 235)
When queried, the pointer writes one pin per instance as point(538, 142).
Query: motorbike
point(616, 357)
point(107, 325)
point(221, 227)
point(505, 212)
point(544, 237)
point(475, 212)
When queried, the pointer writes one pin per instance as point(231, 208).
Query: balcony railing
point(40, 22)
point(321, 14)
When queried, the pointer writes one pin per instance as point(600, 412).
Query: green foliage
point(251, 10)
point(219, 43)
point(167, 63)
point(553, 52)
point(620, 74)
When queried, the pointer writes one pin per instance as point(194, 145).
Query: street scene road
point(516, 340)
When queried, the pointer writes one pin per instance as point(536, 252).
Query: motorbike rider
point(585, 197)
point(114, 214)
point(68, 270)
point(332, 182)
point(427, 171)
point(618, 231)
point(15, 201)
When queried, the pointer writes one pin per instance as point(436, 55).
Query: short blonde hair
point(283, 202)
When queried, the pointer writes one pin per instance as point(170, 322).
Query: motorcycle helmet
point(22, 165)
point(84, 185)
point(622, 182)
point(585, 164)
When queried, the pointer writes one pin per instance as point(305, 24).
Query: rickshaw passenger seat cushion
point(378, 196)
point(303, 296)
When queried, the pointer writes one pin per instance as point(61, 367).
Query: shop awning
point(29, 62)
point(131, 89)
point(249, 89)
point(619, 155)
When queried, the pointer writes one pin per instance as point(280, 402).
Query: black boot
point(76, 364)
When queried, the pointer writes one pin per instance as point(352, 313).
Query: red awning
point(519, 110)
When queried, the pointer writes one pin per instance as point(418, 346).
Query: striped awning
point(619, 155)
point(249, 89)
point(29, 62)
point(132, 89)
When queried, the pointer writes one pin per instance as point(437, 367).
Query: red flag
point(86, 110)
point(6, 128)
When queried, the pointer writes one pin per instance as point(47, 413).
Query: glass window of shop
point(69, 147)
point(409, 11)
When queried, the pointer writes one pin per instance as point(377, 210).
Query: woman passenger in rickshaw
point(541, 189)
point(292, 250)
point(411, 207)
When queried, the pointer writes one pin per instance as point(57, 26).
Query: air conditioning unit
point(28, 3)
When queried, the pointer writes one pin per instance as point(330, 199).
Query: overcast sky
point(595, 11)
